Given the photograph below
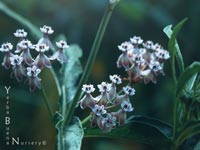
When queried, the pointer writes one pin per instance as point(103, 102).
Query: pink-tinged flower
point(42, 60)
point(25, 46)
point(88, 88)
point(129, 90)
point(155, 66)
point(148, 44)
point(33, 79)
point(134, 74)
point(99, 110)
point(121, 98)
point(6, 48)
point(88, 100)
point(18, 70)
point(156, 46)
point(125, 46)
point(104, 88)
point(162, 54)
point(108, 123)
point(126, 106)
point(96, 120)
point(115, 79)
point(136, 40)
point(121, 114)
point(46, 30)
point(123, 61)
point(20, 33)
point(148, 75)
point(59, 55)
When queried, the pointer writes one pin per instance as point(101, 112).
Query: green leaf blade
point(141, 129)
point(173, 46)
point(186, 76)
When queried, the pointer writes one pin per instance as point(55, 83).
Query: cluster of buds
point(103, 106)
point(143, 61)
point(22, 62)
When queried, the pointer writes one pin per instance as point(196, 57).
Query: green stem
point(86, 119)
point(91, 60)
point(46, 101)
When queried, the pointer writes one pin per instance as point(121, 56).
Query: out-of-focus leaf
point(173, 46)
point(197, 147)
point(140, 129)
point(71, 136)
point(186, 76)
point(189, 130)
point(73, 69)
point(34, 30)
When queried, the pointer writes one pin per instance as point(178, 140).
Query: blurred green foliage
point(79, 20)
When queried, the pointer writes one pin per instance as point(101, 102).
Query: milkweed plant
point(110, 110)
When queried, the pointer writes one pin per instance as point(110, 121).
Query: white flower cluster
point(102, 105)
point(142, 60)
point(22, 62)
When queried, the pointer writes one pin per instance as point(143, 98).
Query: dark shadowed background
point(79, 21)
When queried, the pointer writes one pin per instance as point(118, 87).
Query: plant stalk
point(91, 60)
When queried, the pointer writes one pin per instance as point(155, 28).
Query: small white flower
point(20, 33)
point(88, 88)
point(62, 44)
point(16, 60)
point(162, 54)
point(109, 121)
point(24, 44)
point(148, 44)
point(136, 40)
point(155, 66)
point(33, 71)
point(46, 30)
point(138, 59)
point(104, 87)
point(41, 47)
point(156, 47)
point(125, 46)
point(99, 110)
point(126, 106)
point(5, 47)
point(129, 91)
point(115, 79)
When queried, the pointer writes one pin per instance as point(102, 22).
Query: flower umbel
point(142, 60)
point(102, 106)
point(22, 62)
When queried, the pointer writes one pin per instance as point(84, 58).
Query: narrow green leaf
point(71, 136)
point(173, 46)
point(190, 83)
point(189, 130)
point(186, 76)
point(141, 129)
point(163, 127)
point(168, 31)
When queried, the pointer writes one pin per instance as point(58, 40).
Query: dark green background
point(79, 20)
